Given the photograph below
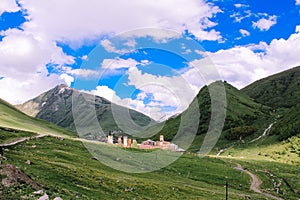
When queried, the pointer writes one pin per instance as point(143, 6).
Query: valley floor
point(64, 168)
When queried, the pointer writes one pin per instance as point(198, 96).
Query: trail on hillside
point(21, 140)
point(255, 183)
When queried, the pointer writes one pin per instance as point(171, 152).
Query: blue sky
point(140, 54)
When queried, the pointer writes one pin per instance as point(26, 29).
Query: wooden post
point(226, 190)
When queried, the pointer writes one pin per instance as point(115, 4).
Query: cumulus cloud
point(297, 2)
point(27, 51)
point(242, 65)
point(16, 92)
point(8, 6)
point(177, 91)
point(193, 15)
point(22, 54)
point(23, 60)
point(244, 32)
point(138, 104)
point(265, 24)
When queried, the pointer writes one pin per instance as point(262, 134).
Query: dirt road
point(255, 182)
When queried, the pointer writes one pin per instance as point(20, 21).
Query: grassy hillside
point(245, 119)
point(277, 91)
point(12, 118)
point(281, 92)
point(64, 168)
point(288, 124)
point(57, 105)
point(68, 171)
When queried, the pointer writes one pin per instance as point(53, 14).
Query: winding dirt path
point(255, 183)
point(21, 140)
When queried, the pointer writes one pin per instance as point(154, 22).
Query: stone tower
point(161, 138)
point(125, 141)
point(110, 139)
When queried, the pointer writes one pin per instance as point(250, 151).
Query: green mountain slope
point(281, 90)
point(56, 106)
point(245, 119)
point(12, 118)
point(288, 124)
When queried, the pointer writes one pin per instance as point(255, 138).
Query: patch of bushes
point(239, 132)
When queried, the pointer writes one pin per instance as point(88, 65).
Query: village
point(126, 142)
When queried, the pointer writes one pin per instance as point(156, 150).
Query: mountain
point(245, 119)
point(12, 118)
point(281, 90)
point(60, 104)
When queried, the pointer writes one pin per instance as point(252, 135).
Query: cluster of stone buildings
point(148, 144)
point(123, 141)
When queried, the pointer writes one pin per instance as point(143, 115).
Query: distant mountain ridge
point(56, 104)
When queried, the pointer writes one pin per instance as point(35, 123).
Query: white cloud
point(239, 5)
point(118, 63)
point(23, 60)
point(16, 91)
point(177, 91)
point(265, 24)
point(109, 47)
point(22, 55)
point(240, 16)
point(85, 57)
point(25, 52)
point(297, 2)
point(137, 104)
point(105, 17)
point(131, 43)
point(8, 6)
point(242, 65)
point(67, 79)
point(244, 32)
point(82, 73)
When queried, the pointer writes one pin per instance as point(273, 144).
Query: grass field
point(66, 169)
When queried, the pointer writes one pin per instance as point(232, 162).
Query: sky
point(151, 56)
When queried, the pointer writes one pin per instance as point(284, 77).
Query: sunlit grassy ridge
point(15, 119)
